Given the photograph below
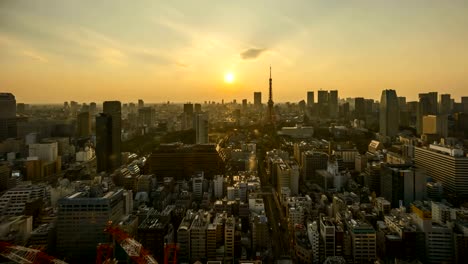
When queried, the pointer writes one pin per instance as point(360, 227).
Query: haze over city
point(54, 51)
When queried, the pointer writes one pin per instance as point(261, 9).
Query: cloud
point(35, 56)
point(251, 53)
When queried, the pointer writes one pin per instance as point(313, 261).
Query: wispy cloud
point(34, 55)
point(251, 53)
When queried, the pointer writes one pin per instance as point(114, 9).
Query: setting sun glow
point(229, 77)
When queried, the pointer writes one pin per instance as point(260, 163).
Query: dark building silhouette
point(187, 116)
point(146, 116)
point(182, 161)
point(103, 142)
point(322, 101)
point(445, 104)
point(257, 99)
point(8, 127)
point(311, 162)
point(310, 99)
point(359, 108)
point(333, 104)
point(114, 109)
point(389, 113)
point(84, 124)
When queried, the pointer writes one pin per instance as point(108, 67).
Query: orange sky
point(55, 51)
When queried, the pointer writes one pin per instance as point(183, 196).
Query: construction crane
point(133, 248)
point(25, 255)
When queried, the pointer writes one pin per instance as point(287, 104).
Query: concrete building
point(146, 116)
point(229, 236)
point(6, 182)
point(312, 161)
point(439, 237)
point(435, 125)
point(81, 219)
point(402, 183)
point(364, 242)
point(444, 164)
point(154, 231)
point(183, 237)
point(327, 234)
point(197, 185)
point(198, 238)
point(260, 233)
point(44, 151)
point(313, 232)
point(297, 131)
point(15, 200)
point(183, 161)
point(211, 233)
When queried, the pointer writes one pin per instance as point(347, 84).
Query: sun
point(229, 77)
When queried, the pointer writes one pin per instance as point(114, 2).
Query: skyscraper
point(187, 116)
point(310, 99)
point(389, 113)
point(322, 101)
point(113, 108)
point(84, 124)
point(271, 115)
point(445, 104)
point(103, 142)
point(200, 123)
point(146, 116)
point(333, 103)
point(257, 99)
point(427, 106)
point(8, 128)
point(359, 108)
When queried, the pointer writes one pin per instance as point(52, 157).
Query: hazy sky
point(55, 51)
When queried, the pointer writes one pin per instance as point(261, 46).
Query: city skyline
point(172, 52)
